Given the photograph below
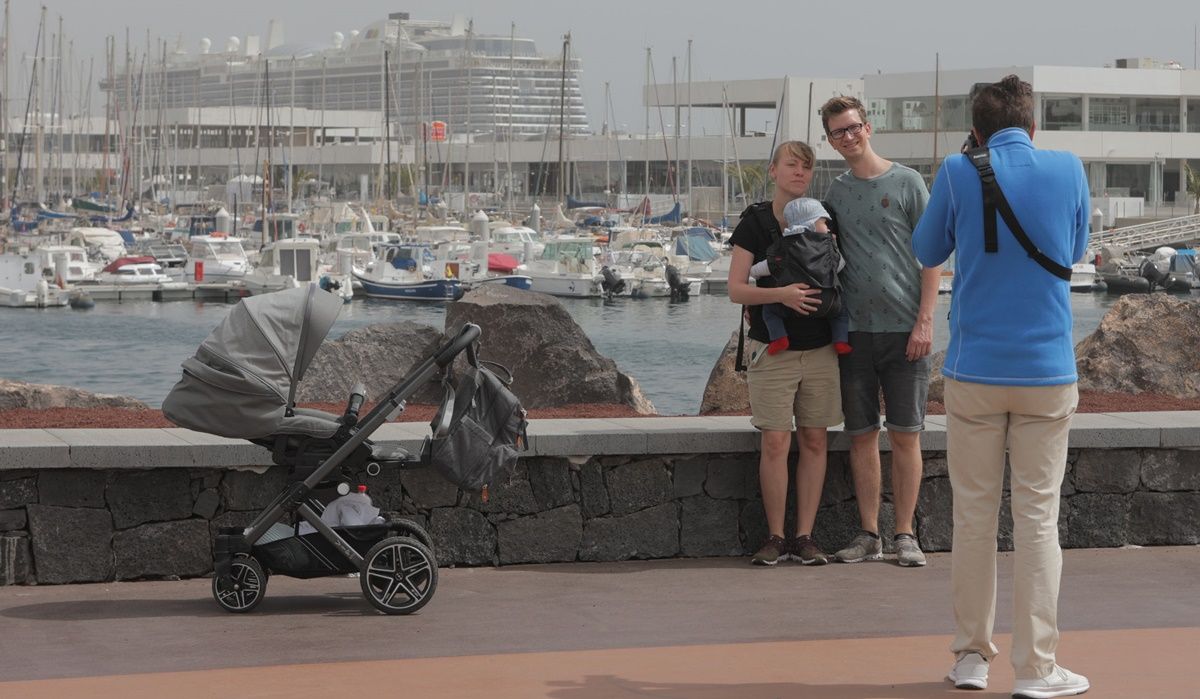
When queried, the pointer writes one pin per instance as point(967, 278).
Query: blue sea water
point(135, 349)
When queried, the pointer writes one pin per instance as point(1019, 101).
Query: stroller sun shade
point(243, 377)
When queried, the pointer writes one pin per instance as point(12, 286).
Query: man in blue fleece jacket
point(1010, 380)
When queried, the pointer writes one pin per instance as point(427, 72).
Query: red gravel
point(1089, 402)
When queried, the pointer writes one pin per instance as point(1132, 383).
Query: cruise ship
point(483, 87)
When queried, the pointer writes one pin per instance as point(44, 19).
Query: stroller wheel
point(399, 575)
point(409, 528)
point(245, 588)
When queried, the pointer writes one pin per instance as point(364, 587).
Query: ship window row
point(1058, 113)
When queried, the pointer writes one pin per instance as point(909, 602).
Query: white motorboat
point(519, 241)
point(140, 270)
point(220, 258)
point(568, 267)
point(285, 264)
point(26, 283)
point(70, 263)
point(473, 264)
point(1083, 276)
point(644, 268)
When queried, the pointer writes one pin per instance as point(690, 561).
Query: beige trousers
point(1033, 422)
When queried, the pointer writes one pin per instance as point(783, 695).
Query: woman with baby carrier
point(796, 388)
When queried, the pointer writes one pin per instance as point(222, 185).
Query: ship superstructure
point(482, 86)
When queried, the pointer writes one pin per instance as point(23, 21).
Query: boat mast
point(470, 50)
point(689, 127)
point(646, 142)
point(4, 107)
point(37, 110)
point(512, 91)
point(29, 101)
point(562, 113)
point(387, 126)
point(291, 146)
point(937, 112)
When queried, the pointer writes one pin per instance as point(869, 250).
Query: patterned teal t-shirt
point(881, 283)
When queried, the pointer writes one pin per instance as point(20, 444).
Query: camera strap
point(994, 201)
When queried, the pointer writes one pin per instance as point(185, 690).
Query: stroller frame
point(239, 578)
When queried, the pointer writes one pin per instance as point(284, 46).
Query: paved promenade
point(673, 629)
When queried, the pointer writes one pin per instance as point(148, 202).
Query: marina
point(135, 348)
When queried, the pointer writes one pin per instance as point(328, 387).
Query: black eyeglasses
point(851, 130)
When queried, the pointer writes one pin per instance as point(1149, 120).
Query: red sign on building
point(437, 131)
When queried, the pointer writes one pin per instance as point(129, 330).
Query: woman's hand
point(799, 298)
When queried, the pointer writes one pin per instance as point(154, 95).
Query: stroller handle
point(468, 335)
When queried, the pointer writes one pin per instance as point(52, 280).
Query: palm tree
point(1193, 186)
point(752, 180)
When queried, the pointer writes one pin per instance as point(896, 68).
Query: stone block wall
point(71, 525)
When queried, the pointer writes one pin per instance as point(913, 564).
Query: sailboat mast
point(512, 91)
point(689, 127)
point(562, 114)
point(4, 105)
point(937, 112)
point(387, 124)
point(470, 51)
point(646, 142)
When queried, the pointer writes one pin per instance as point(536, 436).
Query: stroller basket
point(242, 383)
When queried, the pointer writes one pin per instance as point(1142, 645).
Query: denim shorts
point(876, 362)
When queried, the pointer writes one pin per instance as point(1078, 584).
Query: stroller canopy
point(242, 380)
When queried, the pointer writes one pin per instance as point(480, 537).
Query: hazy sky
point(731, 40)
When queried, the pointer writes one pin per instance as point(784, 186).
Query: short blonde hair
point(796, 149)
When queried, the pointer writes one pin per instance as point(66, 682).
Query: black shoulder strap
point(994, 201)
point(765, 214)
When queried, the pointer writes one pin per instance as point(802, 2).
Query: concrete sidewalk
point(673, 629)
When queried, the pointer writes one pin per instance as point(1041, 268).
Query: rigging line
point(662, 127)
point(28, 105)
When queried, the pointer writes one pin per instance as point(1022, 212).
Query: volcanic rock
point(18, 394)
point(726, 390)
point(377, 355)
point(552, 361)
point(1146, 343)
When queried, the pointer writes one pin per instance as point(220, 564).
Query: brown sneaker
point(773, 550)
point(805, 550)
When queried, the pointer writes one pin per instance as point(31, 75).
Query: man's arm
point(932, 241)
point(920, 340)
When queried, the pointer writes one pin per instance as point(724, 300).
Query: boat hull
point(516, 281)
point(432, 290)
point(568, 286)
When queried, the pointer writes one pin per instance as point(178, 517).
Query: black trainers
point(805, 550)
point(773, 550)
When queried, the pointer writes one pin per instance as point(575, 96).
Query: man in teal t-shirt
point(876, 205)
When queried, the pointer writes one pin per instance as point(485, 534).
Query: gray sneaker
point(908, 551)
point(864, 547)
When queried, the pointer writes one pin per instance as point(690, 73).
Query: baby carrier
point(241, 383)
point(807, 257)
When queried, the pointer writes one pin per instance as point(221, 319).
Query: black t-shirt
point(804, 333)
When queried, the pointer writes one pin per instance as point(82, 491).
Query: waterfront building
point(1135, 125)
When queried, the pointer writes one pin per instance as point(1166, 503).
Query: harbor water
point(135, 349)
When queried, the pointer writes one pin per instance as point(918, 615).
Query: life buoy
point(300, 227)
point(248, 219)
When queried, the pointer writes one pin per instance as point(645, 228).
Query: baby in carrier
point(808, 254)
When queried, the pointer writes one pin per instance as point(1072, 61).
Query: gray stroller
point(241, 383)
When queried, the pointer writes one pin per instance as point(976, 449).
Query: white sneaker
point(969, 672)
point(1061, 682)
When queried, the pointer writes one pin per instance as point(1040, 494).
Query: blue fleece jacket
point(1010, 319)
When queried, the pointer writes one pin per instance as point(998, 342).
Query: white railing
point(1184, 229)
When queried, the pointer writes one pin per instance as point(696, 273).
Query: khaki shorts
point(792, 389)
